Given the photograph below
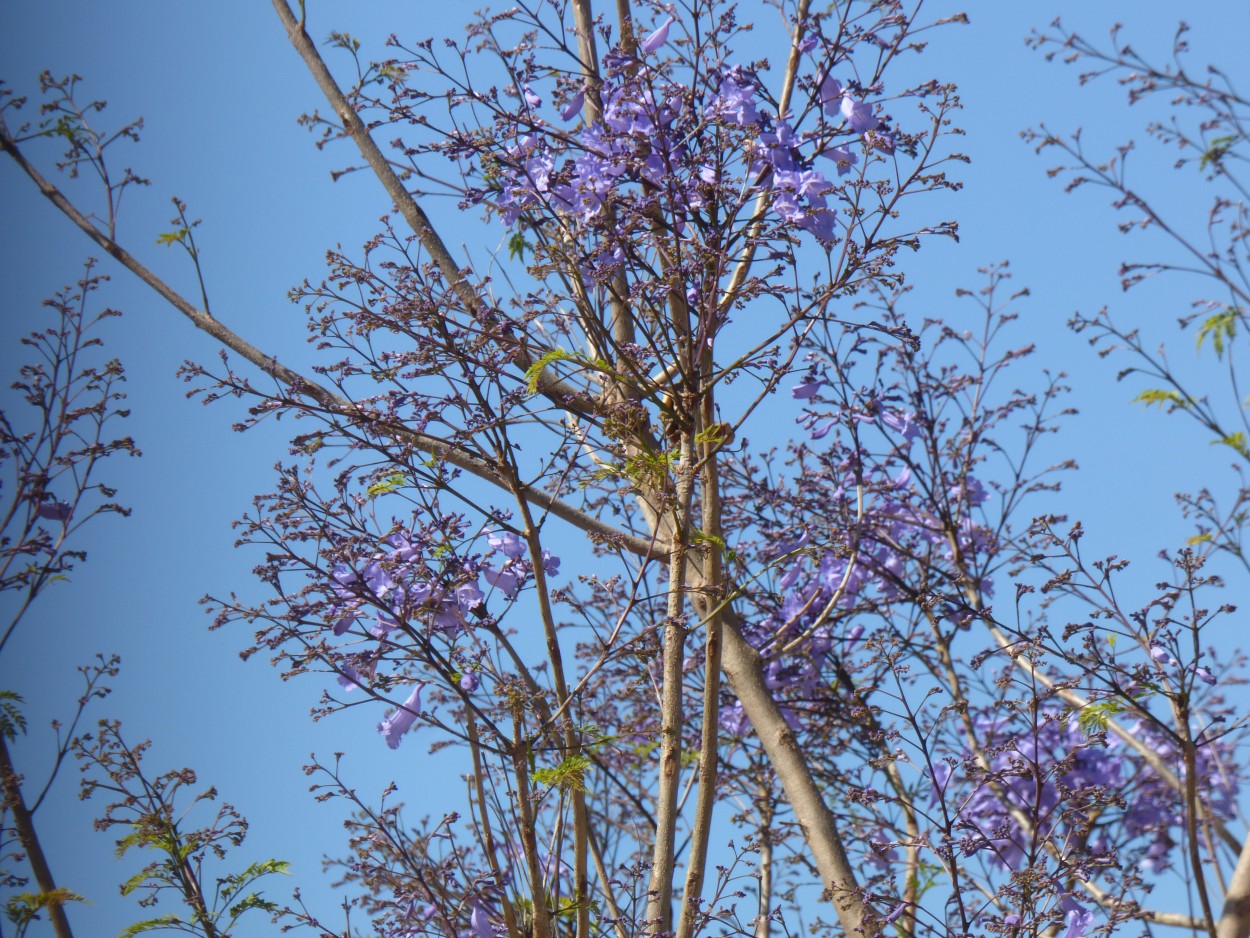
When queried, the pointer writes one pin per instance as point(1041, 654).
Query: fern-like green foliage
point(569, 775)
point(385, 486)
point(1161, 397)
point(1220, 328)
point(1235, 441)
point(1215, 152)
point(1094, 717)
point(12, 720)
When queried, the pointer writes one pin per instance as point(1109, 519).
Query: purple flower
point(505, 580)
point(830, 94)
point(531, 98)
point(400, 722)
point(574, 105)
point(1080, 920)
point(736, 102)
point(807, 390)
point(733, 719)
point(972, 490)
point(843, 157)
point(1203, 674)
point(507, 544)
point(53, 510)
point(659, 37)
point(350, 678)
point(852, 637)
point(903, 423)
point(1161, 656)
point(468, 597)
point(859, 115)
point(469, 682)
point(480, 923)
point(551, 564)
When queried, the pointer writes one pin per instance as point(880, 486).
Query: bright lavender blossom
point(480, 923)
point(902, 423)
point(659, 37)
point(350, 678)
point(507, 544)
point(808, 388)
point(1079, 919)
point(859, 115)
point(400, 722)
point(831, 95)
point(505, 580)
point(735, 102)
point(573, 107)
point(843, 157)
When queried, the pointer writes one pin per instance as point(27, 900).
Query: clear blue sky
point(220, 90)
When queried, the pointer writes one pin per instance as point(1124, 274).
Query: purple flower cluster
point(666, 143)
point(1047, 776)
point(396, 589)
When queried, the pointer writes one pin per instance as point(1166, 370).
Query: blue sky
point(219, 90)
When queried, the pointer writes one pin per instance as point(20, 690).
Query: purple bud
point(659, 37)
point(574, 105)
point(53, 510)
point(1161, 656)
point(895, 913)
point(1203, 674)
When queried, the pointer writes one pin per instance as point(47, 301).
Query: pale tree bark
point(29, 839)
point(1235, 918)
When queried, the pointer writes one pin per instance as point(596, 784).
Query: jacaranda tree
point(707, 676)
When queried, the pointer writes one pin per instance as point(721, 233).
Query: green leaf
point(1220, 327)
point(385, 486)
point(1235, 441)
point(517, 246)
point(1198, 539)
point(1219, 146)
point(152, 924)
point(534, 372)
point(569, 775)
point(252, 901)
point(172, 237)
point(1094, 717)
point(1161, 397)
point(12, 720)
